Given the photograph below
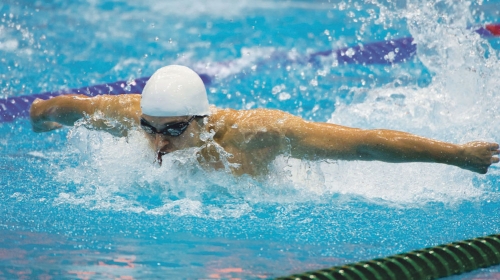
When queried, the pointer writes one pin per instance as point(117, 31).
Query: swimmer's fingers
point(494, 147)
point(494, 151)
point(480, 155)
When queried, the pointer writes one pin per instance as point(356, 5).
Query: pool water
point(82, 204)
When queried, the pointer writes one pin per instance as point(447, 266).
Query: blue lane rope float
point(430, 263)
point(385, 52)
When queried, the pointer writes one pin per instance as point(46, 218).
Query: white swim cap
point(173, 91)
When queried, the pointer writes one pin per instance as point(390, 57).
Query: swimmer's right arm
point(119, 112)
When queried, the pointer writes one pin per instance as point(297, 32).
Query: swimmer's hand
point(40, 117)
point(478, 156)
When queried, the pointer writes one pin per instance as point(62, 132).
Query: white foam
point(113, 172)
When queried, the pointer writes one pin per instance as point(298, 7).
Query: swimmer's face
point(169, 134)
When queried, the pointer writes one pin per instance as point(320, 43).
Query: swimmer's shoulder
point(250, 120)
point(220, 114)
point(219, 118)
point(237, 115)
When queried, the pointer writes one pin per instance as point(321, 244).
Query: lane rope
point(429, 263)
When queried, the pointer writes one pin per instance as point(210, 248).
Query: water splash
point(459, 105)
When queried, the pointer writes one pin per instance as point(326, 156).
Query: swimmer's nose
point(160, 142)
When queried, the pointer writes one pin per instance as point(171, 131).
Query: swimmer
point(173, 112)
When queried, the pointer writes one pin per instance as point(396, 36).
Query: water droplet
point(284, 96)
point(350, 52)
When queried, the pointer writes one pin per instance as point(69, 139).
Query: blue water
point(77, 203)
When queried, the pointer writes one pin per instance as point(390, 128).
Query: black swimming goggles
point(173, 129)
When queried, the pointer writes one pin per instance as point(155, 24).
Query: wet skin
point(254, 138)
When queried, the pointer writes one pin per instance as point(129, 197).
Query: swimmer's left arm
point(310, 140)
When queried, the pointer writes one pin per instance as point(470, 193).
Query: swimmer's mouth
point(159, 157)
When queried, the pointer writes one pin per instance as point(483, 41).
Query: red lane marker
point(493, 28)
